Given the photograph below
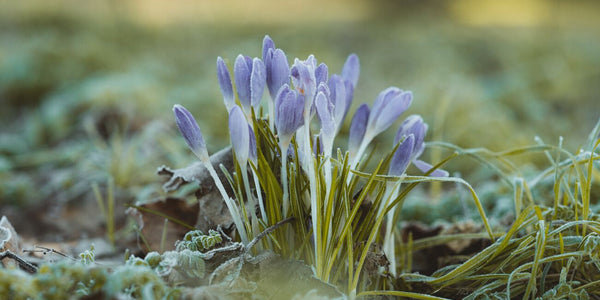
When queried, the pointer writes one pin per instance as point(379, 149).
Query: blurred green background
point(86, 87)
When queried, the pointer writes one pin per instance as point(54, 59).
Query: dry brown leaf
point(151, 220)
point(9, 241)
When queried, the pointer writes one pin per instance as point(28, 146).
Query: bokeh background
point(86, 87)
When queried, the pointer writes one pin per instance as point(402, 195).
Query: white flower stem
point(327, 170)
point(233, 210)
point(314, 205)
point(251, 202)
point(356, 159)
point(261, 202)
point(272, 115)
point(284, 145)
point(389, 245)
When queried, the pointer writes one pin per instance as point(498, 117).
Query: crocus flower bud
point(225, 83)
point(325, 112)
point(289, 108)
point(278, 70)
point(413, 125)
point(388, 106)
point(402, 157)
point(268, 44)
point(351, 69)
point(250, 80)
point(242, 71)
point(257, 83)
point(358, 127)
point(240, 138)
point(191, 132)
point(303, 77)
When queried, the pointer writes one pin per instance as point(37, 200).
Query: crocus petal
point(322, 88)
point(242, 73)
point(425, 167)
point(238, 130)
point(358, 127)
point(225, 82)
point(257, 83)
point(337, 90)
point(351, 69)
point(303, 77)
point(267, 45)
point(388, 106)
point(349, 90)
point(402, 156)
point(321, 73)
point(324, 111)
point(191, 131)
point(278, 71)
point(252, 152)
point(289, 108)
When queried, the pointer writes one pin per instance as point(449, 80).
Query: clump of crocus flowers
point(295, 170)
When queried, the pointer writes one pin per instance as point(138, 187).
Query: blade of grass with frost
point(241, 142)
point(190, 130)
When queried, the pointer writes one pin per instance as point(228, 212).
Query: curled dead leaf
point(9, 240)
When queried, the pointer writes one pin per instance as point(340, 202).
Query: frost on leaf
point(214, 210)
point(197, 172)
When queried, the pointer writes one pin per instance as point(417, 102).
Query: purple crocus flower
point(303, 77)
point(403, 156)
point(250, 80)
point(268, 44)
point(240, 137)
point(413, 125)
point(338, 97)
point(325, 111)
point(191, 132)
point(276, 66)
point(278, 71)
point(289, 108)
point(351, 69)
point(358, 126)
point(225, 83)
point(425, 167)
point(257, 83)
point(388, 106)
